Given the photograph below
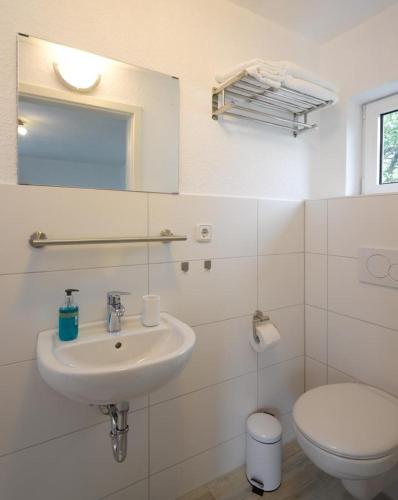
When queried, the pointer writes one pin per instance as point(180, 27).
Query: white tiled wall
point(192, 429)
point(351, 327)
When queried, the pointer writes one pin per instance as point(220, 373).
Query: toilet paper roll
point(267, 336)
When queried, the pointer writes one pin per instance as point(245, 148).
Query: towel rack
point(245, 97)
point(39, 239)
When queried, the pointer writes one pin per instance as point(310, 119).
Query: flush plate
point(379, 266)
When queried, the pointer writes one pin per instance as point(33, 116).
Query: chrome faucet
point(115, 310)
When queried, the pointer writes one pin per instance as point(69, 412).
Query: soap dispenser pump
point(69, 317)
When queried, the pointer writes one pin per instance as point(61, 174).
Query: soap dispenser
point(68, 317)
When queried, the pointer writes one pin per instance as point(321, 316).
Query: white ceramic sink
point(102, 368)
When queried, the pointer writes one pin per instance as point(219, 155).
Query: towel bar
point(39, 239)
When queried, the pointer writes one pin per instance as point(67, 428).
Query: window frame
point(372, 145)
point(135, 113)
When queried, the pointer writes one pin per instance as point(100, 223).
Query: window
point(380, 146)
point(72, 145)
point(389, 147)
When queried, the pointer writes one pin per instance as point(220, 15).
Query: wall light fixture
point(22, 130)
point(78, 70)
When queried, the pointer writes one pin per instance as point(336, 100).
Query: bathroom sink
point(102, 368)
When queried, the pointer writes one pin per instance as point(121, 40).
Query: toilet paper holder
point(258, 318)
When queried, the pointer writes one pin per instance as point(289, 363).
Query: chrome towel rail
point(278, 125)
point(39, 239)
point(245, 97)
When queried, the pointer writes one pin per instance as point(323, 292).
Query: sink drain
point(118, 345)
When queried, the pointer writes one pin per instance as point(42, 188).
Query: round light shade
point(78, 76)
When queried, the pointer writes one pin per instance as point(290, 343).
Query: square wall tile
point(79, 465)
point(288, 432)
point(222, 351)
point(316, 324)
point(348, 296)
point(186, 476)
point(280, 385)
point(137, 491)
point(290, 323)
point(199, 296)
point(280, 281)
point(338, 377)
point(29, 302)
point(38, 412)
point(315, 374)
point(280, 227)
point(316, 280)
point(364, 351)
point(70, 213)
point(35, 410)
point(316, 226)
point(233, 221)
point(362, 221)
point(191, 424)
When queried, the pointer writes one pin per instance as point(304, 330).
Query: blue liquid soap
point(69, 317)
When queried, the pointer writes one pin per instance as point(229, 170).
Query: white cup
point(150, 315)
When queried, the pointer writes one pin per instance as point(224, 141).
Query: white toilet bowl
point(350, 431)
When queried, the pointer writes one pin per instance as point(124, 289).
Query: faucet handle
point(114, 297)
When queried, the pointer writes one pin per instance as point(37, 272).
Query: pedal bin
point(264, 451)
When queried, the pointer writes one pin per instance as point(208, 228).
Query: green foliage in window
point(389, 173)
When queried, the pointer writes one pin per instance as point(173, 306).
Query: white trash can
point(263, 452)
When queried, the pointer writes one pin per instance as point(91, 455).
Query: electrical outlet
point(204, 232)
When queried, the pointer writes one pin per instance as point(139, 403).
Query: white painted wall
point(193, 429)
point(363, 63)
point(191, 40)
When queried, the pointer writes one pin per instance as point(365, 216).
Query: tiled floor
point(301, 481)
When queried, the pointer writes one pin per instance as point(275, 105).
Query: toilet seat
point(342, 467)
point(352, 421)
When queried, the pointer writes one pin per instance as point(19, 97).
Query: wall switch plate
point(204, 232)
point(378, 266)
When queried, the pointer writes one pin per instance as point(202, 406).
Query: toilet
point(350, 431)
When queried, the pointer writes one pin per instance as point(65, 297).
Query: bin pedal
point(257, 491)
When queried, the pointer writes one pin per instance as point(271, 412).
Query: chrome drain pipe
point(119, 428)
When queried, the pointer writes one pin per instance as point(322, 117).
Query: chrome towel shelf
point(39, 239)
point(245, 97)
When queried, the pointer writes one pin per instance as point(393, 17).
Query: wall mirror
point(91, 122)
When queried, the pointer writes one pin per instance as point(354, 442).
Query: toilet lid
point(349, 420)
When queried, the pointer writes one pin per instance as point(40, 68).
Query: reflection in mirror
point(85, 147)
point(85, 121)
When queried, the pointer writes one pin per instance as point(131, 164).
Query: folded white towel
point(276, 71)
point(266, 69)
point(292, 69)
point(274, 74)
point(264, 77)
point(310, 88)
point(272, 67)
